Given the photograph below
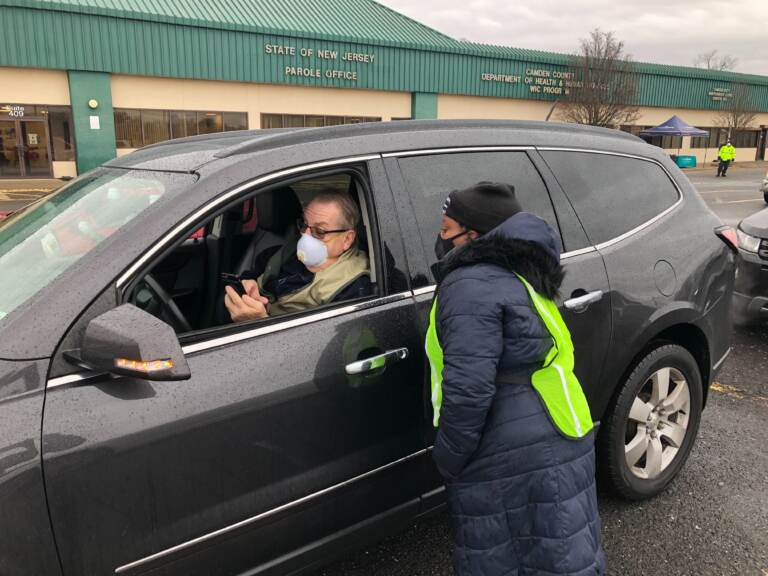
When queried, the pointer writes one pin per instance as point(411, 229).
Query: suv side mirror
point(127, 341)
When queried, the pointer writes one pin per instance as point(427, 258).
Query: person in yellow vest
point(727, 154)
point(324, 266)
point(515, 438)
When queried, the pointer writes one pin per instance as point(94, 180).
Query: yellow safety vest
point(555, 382)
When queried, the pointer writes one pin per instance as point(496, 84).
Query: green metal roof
point(228, 40)
point(363, 21)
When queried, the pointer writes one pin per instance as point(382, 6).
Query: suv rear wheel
point(647, 437)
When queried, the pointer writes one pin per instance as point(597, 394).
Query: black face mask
point(443, 246)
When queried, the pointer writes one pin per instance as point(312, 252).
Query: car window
point(429, 180)
point(40, 242)
point(258, 243)
point(611, 194)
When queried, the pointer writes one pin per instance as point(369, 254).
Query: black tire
point(616, 427)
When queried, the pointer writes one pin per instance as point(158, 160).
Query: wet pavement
point(734, 197)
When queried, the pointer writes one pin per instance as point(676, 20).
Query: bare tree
point(601, 88)
point(739, 110)
point(713, 61)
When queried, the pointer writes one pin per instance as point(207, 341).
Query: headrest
point(278, 209)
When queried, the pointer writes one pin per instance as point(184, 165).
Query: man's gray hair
point(350, 213)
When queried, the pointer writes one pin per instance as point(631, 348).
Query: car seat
point(277, 212)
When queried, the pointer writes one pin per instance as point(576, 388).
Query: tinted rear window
point(430, 179)
point(612, 194)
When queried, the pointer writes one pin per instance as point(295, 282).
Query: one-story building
point(83, 81)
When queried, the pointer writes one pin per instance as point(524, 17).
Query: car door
point(585, 296)
point(617, 198)
point(271, 448)
point(422, 180)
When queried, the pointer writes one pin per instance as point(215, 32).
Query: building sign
point(13, 111)
point(537, 80)
point(313, 55)
point(720, 94)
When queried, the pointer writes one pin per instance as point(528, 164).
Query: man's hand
point(251, 306)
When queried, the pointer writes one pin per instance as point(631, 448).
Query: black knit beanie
point(483, 206)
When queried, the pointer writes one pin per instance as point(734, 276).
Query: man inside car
point(324, 266)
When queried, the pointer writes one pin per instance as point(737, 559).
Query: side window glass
point(629, 190)
point(282, 251)
point(429, 179)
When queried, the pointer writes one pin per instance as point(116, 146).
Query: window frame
point(215, 336)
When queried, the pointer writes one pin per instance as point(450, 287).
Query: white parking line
point(741, 193)
point(739, 201)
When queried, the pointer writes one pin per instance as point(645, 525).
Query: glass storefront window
point(137, 128)
point(293, 121)
point(190, 119)
point(700, 142)
point(235, 121)
point(271, 120)
point(156, 126)
point(209, 122)
point(128, 129)
point(178, 125)
point(745, 139)
point(717, 137)
point(61, 131)
point(310, 121)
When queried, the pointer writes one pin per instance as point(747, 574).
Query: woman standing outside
point(515, 441)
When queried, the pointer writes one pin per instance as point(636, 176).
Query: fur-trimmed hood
point(524, 244)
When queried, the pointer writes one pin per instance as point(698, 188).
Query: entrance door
point(35, 154)
point(10, 167)
point(24, 149)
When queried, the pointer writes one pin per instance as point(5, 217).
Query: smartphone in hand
point(234, 281)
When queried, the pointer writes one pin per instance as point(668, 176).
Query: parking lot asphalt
point(734, 197)
point(712, 520)
point(15, 194)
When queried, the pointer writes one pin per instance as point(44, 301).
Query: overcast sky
point(663, 31)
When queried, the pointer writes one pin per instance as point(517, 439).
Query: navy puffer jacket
point(522, 496)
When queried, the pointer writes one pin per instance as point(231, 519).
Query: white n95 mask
point(311, 251)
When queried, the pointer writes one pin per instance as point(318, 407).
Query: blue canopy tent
point(676, 127)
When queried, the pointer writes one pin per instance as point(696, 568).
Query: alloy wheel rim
point(657, 423)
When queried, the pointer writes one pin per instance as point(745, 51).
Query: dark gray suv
point(143, 432)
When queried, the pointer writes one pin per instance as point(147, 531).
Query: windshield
point(44, 239)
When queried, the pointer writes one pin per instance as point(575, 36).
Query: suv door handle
point(377, 362)
point(581, 303)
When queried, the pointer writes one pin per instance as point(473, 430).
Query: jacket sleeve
point(469, 322)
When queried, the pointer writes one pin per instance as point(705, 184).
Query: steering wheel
point(167, 304)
